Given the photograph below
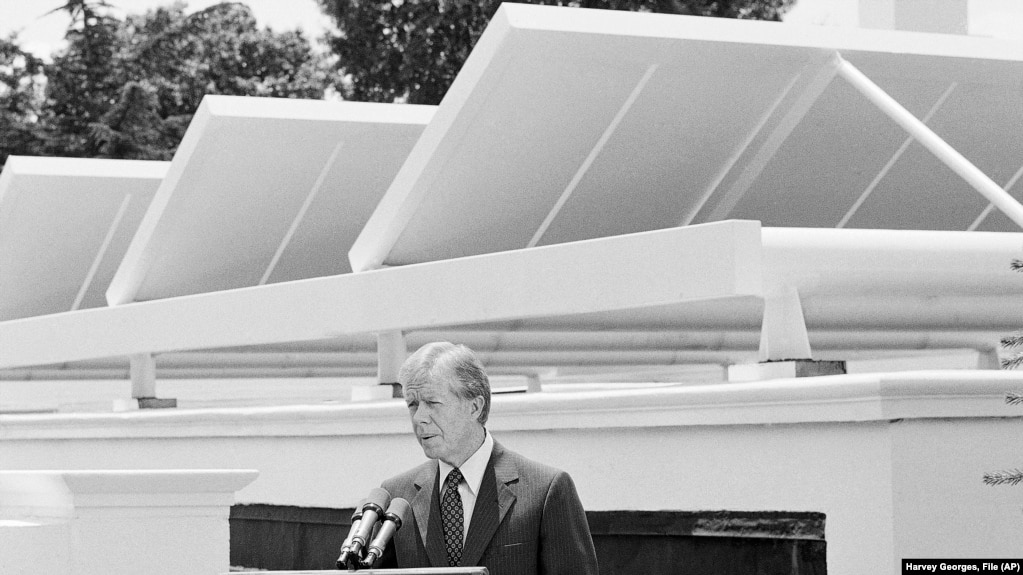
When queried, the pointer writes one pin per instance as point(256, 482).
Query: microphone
point(346, 547)
point(397, 513)
point(376, 501)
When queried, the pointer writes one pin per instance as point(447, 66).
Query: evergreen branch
point(1012, 341)
point(1014, 398)
point(1012, 362)
point(83, 7)
point(1011, 477)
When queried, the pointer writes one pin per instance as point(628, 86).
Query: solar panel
point(569, 124)
point(265, 190)
point(65, 223)
point(575, 125)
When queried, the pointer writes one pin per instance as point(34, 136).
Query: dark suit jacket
point(528, 520)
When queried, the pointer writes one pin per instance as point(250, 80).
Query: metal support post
point(391, 354)
point(937, 146)
point(783, 332)
point(142, 367)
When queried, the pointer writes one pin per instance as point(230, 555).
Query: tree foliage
point(1011, 343)
point(411, 50)
point(219, 50)
point(128, 88)
point(1014, 342)
point(82, 82)
point(21, 93)
point(132, 129)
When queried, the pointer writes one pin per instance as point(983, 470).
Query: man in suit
point(475, 502)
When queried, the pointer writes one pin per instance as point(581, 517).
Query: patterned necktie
point(451, 517)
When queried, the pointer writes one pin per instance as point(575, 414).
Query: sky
point(41, 34)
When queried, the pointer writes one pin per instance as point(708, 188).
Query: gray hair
point(445, 358)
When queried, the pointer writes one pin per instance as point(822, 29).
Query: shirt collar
point(474, 467)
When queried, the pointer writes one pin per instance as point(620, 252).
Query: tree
point(411, 50)
point(132, 129)
point(1013, 343)
point(219, 50)
point(1008, 476)
point(83, 81)
point(128, 89)
point(20, 100)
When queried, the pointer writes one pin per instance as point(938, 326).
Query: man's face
point(445, 424)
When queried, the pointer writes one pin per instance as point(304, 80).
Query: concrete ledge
point(840, 398)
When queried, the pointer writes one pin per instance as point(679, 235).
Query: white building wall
point(894, 461)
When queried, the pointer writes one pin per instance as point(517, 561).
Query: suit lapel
point(422, 504)
point(507, 476)
point(492, 504)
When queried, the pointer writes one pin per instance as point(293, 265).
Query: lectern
point(418, 571)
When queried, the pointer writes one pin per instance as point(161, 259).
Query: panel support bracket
point(933, 142)
point(391, 354)
point(784, 343)
point(142, 368)
point(783, 333)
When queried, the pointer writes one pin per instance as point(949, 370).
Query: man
point(475, 502)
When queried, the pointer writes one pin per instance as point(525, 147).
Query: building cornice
point(832, 399)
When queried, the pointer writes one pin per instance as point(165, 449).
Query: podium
point(117, 521)
point(416, 571)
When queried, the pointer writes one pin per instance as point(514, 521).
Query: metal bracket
point(933, 142)
point(391, 354)
point(142, 368)
point(783, 332)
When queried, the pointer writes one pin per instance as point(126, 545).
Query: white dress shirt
point(472, 477)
